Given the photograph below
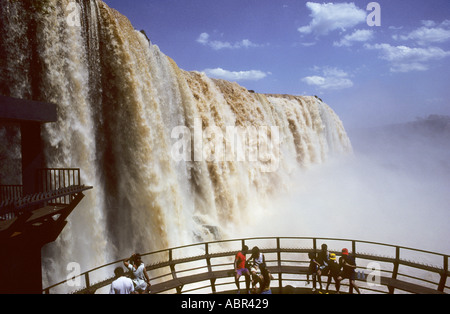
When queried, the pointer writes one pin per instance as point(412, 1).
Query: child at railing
point(333, 272)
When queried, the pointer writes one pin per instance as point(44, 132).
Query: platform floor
point(292, 290)
point(37, 215)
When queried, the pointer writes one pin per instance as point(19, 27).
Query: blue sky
point(370, 75)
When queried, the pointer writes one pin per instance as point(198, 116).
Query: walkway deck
point(180, 271)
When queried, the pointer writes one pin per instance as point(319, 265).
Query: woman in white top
point(258, 263)
point(141, 279)
point(258, 259)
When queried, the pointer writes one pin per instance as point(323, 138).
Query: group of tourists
point(255, 271)
point(257, 276)
point(325, 264)
point(321, 264)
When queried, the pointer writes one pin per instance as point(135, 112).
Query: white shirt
point(139, 277)
point(122, 285)
point(259, 260)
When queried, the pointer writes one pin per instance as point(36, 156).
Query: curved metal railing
point(208, 267)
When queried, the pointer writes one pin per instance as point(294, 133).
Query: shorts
point(242, 271)
point(140, 285)
point(255, 271)
point(349, 276)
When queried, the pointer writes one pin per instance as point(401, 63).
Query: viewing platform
point(207, 268)
point(60, 191)
point(28, 222)
point(32, 213)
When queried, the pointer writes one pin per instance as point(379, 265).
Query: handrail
point(12, 208)
point(391, 275)
point(50, 179)
point(10, 192)
point(56, 186)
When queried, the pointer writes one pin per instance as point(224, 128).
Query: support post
point(396, 266)
point(87, 282)
point(280, 275)
point(172, 265)
point(20, 268)
point(32, 155)
point(444, 275)
point(208, 263)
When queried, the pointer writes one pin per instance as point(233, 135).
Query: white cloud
point(395, 28)
point(428, 23)
point(308, 44)
point(425, 36)
point(252, 75)
point(360, 35)
point(429, 33)
point(217, 44)
point(406, 59)
point(331, 79)
point(328, 17)
point(409, 67)
point(203, 38)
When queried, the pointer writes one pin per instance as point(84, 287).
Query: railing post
point(354, 256)
point(280, 275)
point(395, 270)
point(444, 275)
point(397, 263)
point(208, 263)
point(172, 265)
point(173, 271)
point(88, 283)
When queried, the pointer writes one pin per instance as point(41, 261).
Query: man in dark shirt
point(323, 260)
point(348, 265)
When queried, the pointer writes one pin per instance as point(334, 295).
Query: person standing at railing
point(323, 258)
point(348, 265)
point(122, 284)
point(259, 261)
point(240, 269)
point(141, 279)
point(313, 271)
point(333, 273)
point(258, 264)
point(264, 282)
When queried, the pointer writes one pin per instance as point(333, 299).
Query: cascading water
point(119, 99)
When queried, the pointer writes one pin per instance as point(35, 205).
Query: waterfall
point(119, 101)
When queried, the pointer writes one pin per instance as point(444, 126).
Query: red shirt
point(241, 260)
